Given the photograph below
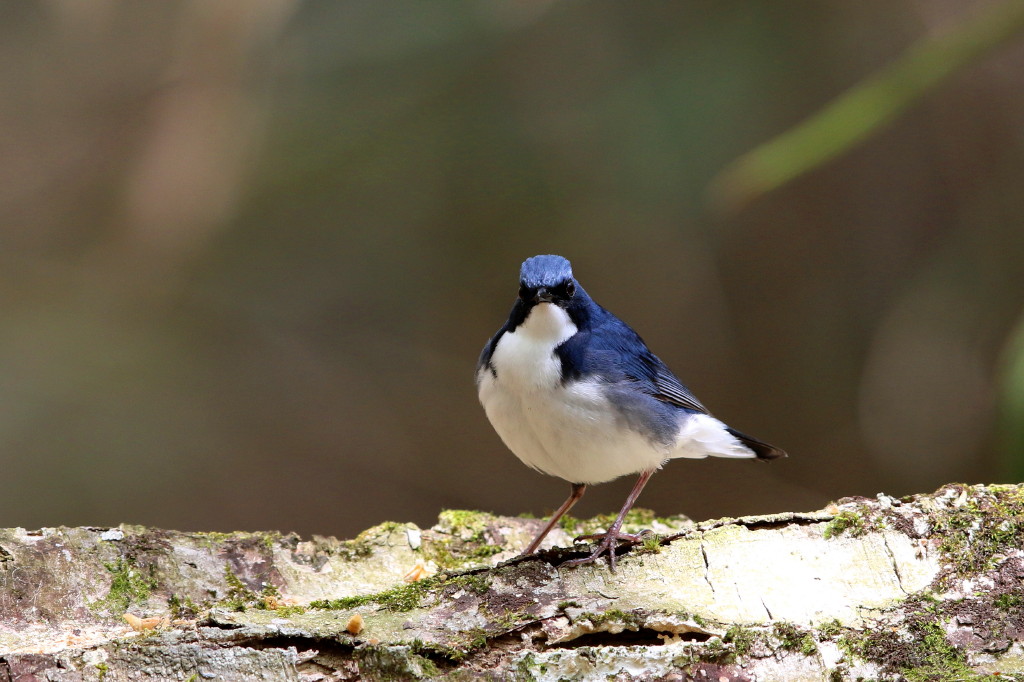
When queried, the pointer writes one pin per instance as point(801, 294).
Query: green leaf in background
point(865, 108)
point(1012, 404)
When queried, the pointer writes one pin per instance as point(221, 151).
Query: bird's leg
point(577, 492)
point(610, 539)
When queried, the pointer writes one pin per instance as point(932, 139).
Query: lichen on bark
point(923, 587)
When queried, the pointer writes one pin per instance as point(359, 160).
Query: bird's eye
point(570, 289)
point(524, 292)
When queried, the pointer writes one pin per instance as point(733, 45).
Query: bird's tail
point(759, 448)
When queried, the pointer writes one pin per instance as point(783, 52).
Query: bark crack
point(707, 567)
point(767, 610)
point(895, 564)
point(762, 522)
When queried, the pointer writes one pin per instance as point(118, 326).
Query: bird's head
point(547, 279)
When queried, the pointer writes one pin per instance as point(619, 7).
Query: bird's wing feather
point(612, 345)
point(671, 390)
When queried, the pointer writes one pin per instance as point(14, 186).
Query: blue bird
point(574, 392)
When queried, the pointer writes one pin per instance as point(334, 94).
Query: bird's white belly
point(565, 430)
point(567, 433)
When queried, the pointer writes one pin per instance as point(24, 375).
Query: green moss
point(463, 541)
point(385, 528)
point(102, 669)
point(484, 551)
point(830, 629)
point(183, 608)
point(363, 545)
point(638, 516)
point(471, 640)
point(510, 620)
point(464, 645)
point(480, 583)
point(217, 540)
point(527, 668)
point(793, 638)
point(351, 550)
point(466, 524)
point(923, 654)
point(941, 660)
point(433, 650)
point(428, 670)
point(235, 585)
point(401, 598)
point(407, 597)
point(570, 524)
point(127, 587)
point(651, 543)
point(845, 522)
point(440, 552)
point(852, 644)
point(636, 519)
point(1008, 600)
point(742, 639)
point(630, 620)
point(450, 553)
point(213, 538)
point(984, 524)
point(238, 597)
point(742, 642)
point(716, 650)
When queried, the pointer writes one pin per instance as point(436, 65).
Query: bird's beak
point(543, 296)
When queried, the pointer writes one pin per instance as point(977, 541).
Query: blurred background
point(250, 251)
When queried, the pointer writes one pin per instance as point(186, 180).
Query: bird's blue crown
point(545, 271)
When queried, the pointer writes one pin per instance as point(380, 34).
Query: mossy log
point(923, 587)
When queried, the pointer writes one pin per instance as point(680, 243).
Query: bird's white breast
point(525, 358)
point(565, 429)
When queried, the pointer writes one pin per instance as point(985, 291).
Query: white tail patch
point(701, 435)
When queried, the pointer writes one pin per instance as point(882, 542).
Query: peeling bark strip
point(925, 587)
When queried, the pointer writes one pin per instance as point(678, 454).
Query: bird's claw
point(609, 542)
point(620, 536)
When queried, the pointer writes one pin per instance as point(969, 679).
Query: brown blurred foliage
point(250, 251)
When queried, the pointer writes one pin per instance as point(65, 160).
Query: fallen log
point(922, 587)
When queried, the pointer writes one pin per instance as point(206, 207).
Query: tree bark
point(924, 587)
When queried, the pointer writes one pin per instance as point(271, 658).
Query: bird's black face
point(546, 279)
point(560, 293)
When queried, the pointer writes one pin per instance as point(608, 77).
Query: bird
point(575, 393)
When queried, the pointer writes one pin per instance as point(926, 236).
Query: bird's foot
point(629, 538)
point(609, 542)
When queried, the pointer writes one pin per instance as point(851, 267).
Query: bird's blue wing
point(613, 350)
point(671, 390)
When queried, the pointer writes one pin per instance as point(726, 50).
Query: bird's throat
point(547, 322)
